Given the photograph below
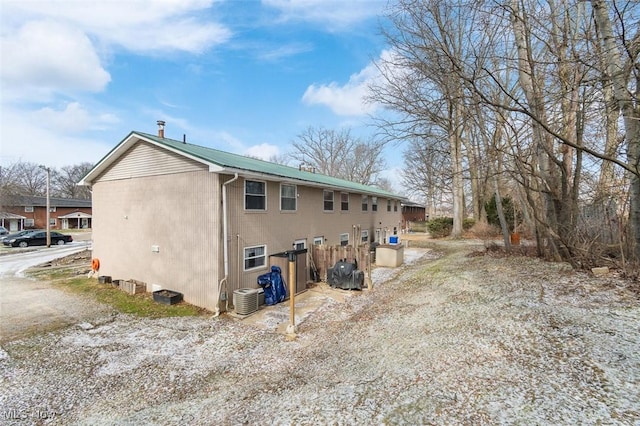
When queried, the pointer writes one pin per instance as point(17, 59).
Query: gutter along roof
point(225, 162)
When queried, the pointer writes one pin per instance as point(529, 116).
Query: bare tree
point(24, 178)
point(519, 89)
point(64, 182)
point(624, 74)
point(421, 82)
point(31, 179)
point(337, 153)
point(427, 172)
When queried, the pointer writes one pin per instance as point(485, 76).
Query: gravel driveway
point(448, 339)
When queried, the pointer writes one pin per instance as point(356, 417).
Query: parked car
point(37, 238)
point(3, 231)
point(18, 234)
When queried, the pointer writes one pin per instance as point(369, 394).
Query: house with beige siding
point(205, 222)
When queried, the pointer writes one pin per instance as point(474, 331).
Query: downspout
point(225, 244)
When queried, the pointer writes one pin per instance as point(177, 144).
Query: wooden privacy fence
point(324, 257)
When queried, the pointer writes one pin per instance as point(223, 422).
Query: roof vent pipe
point(184, 138)
point(161, 129)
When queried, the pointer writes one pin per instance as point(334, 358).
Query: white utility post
point(48, 205)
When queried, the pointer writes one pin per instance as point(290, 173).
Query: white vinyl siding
point(144, 159)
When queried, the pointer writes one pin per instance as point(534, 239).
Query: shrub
point(440, 227)
point(507, 207)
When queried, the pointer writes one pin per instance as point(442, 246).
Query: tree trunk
point(630, 113)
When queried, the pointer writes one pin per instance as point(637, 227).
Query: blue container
point(393, 239)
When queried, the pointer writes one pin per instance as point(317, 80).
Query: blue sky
point(240, 76)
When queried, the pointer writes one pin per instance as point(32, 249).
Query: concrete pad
point(276, 317)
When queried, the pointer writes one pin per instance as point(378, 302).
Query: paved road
point(16, 264)
point(32, 306)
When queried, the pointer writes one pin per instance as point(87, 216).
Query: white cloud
point(136, 25)
point(74, 118)
point(28, 139)
point(47, 58)
point(334, 14)
point(284, 51)
point(54, 47)
point(263, 151)
point(348, 99)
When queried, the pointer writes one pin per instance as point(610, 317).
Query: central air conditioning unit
point(245, 300)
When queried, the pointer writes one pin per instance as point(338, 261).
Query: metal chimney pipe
point(161, 129)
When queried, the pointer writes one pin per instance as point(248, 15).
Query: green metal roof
point(228, 160)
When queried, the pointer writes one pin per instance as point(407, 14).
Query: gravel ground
point(444, 339)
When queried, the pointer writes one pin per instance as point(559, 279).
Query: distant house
point(205, 222)
point(12, 222)
point(412, 212)
point(30, 212)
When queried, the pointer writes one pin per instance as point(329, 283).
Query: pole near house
point(48, 170)
point(291, 328)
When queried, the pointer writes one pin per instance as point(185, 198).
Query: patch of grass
point(141, 305)
point(74, 280)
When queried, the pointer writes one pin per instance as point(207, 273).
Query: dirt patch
point(449, 339)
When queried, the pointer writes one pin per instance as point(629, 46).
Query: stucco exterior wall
point(177, 214)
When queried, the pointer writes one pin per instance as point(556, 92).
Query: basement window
point(364, 236)
point(255, 257)
point(344, 239)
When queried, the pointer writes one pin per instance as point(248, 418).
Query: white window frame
point(374, 204)
point(255, 195)
point(294, 198)
point(28, 209)
point(389, 205)
point(29, 223)
point(344, 239)
point(364, 236)
point(342, 202)
point(263, 256)
point(52, 209)
point(365, 203)
point(325, 201)
point(318, 241)
point(52, 221)
point(301, 242)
